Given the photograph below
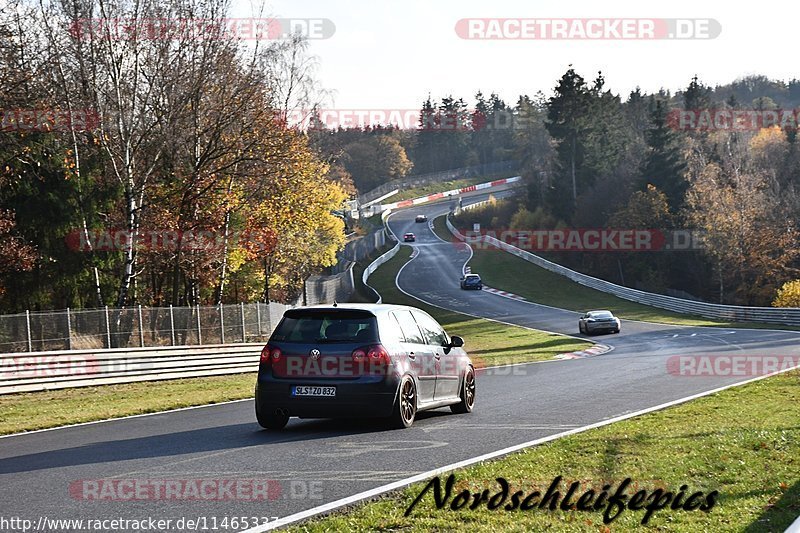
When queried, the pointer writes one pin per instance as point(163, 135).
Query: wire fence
point(138, 327)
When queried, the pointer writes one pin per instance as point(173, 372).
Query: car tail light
point(374, 356)
point(270, 354)
point(378, 353)
point(360, 354)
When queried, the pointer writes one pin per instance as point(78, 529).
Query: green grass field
point(742, 442)
point(501, 270)
point(39, 410)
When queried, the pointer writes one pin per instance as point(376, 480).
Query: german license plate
point(312, 390)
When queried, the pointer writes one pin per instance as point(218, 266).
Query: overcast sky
point(389, 54)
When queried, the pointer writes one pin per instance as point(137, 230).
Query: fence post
point(28, 328)
point(141, 327)
point(244, 329)
point(108, 330)
point(69, 331)
point(221, 325)
point(199, 329)
point(171, 325)
point(258, 317)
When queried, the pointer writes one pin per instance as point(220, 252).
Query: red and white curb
point(454, 192)
point(504, 294)
point(597, 349)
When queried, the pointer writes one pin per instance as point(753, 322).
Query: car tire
point(405, 405)
point(271, 421)
point(616, 331)
point(467, 394)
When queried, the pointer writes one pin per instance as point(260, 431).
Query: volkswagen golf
point(361, 360)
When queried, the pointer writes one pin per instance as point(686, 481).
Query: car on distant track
point(361, 360)
point(409, 237)
point(421, 218)
point(598, 321)
point(471, 281)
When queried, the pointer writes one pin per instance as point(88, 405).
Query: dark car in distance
point(598, 321)
point(471, 281)
point(361, 360)
point(409, 237)
point(421, 218)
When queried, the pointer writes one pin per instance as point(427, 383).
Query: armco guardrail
point(359, 248)
point(374, 266)
point(328, 289)
point(382, 259)
point(38, 371)
point(769, 315)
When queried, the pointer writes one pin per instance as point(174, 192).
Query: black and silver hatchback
point(361, 360)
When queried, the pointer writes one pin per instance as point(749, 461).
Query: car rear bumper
point(594, 328)
point(368, 396)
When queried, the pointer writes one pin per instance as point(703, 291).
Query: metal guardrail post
point(69, 331)
point(244, 329)
point(141, 327)
point(28, 328)
point(108, 330)
point(172, 325)
point(199, 329)
point(221, 325)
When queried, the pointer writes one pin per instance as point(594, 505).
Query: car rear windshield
point(326, 326)
point(604, 314)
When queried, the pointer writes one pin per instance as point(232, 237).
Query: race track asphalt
point(312, 462)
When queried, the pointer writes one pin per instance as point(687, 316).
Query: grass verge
point(39, 410)
point(501, 270)
point(743, 442)
point(489, 343)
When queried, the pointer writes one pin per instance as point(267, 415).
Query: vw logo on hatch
point(314, 354)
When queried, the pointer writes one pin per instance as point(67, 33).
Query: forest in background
point(186, 137)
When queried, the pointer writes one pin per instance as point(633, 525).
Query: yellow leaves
point(766, 137)
point(788, 295)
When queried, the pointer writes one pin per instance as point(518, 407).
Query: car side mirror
point(456, 341)
point(462, 278)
